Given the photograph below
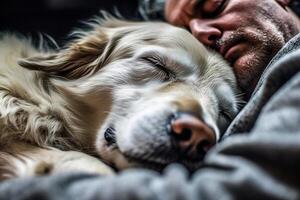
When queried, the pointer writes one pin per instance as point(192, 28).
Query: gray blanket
point(260, 159)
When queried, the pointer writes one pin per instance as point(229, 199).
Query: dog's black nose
point(191, 136)
point(110, 136)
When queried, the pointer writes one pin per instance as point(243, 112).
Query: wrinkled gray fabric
point(260, 159)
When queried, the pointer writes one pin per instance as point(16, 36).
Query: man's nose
point(204, 32)
point(192, 137)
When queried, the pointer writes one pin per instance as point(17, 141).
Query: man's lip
point(230, 43)
point(233, 53)
point(224, 48)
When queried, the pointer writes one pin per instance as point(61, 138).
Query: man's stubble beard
point(249, 73)
point(262, 47)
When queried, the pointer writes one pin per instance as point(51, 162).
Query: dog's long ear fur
point(81, 57)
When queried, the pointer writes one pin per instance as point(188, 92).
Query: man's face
point(248, 33)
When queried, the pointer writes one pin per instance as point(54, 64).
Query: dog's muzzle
point(166, 138)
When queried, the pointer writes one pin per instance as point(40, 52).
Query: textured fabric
point(260, 159)
point(276, 74)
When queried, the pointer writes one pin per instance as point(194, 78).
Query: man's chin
point(248, 70)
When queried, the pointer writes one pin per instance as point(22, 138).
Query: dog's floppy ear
point(81, 57)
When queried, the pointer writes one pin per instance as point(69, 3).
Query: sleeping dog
point(133, 94)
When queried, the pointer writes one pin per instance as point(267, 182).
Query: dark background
point(56, 17)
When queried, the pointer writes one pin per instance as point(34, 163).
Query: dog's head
point(158, 95)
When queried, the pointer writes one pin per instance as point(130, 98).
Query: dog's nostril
point(203, 147)
point(184, 135)
point(109, 135)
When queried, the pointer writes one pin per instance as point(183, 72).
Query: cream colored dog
point(133, 94)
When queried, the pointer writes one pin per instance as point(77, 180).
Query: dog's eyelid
point(154, 59)
point(158, 62)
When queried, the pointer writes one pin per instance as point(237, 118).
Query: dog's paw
point(7, 166)
point(77, 161)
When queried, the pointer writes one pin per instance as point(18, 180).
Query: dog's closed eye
point(160, 64)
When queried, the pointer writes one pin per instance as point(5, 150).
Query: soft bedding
point(259, 157)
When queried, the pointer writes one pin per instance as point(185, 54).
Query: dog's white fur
point(111, 76)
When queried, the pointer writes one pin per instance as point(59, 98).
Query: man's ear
point(81, 57)
point(284, 3)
